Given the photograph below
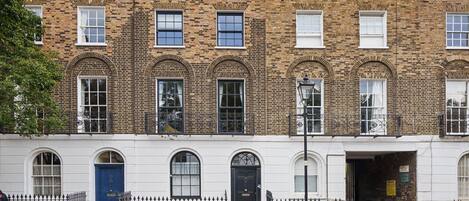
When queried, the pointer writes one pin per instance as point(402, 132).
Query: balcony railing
point(344, 124)
point(76, 123)
point(199, 124)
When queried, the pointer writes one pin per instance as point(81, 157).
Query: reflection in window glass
point(230, 27)
point(456, 107)
point(231, 106)
point(457, 30)
point(169, 28)
point(170, 106)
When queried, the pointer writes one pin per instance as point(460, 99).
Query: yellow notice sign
point(391, 188)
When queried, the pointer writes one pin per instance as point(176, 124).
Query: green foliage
point(27, 74)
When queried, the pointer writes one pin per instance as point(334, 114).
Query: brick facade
point(415, 65)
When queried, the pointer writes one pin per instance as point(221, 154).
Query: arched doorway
point(245, 177)
point(109, 176)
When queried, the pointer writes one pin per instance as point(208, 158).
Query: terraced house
point(194, 98)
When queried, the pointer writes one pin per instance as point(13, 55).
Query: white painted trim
point(446, 32)
point(321, 27)
point(156, 28)
point(28, 168)
point(92, 174)
point(244, 29)
point(169, 47)
point(79, 91)
point(321, 182)
point(201, 164)
point(82, 43)
point(385, 29)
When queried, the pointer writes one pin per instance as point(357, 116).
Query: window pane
point(92, 25)
point(169, 28)
point(46, 173)
point(185, 180)
point(230, 29)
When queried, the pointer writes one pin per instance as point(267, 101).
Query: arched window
point(109, 157)
point(463, 178)
point(185, 175)
point(46, 174)
point(245, 159)
point(300, 175)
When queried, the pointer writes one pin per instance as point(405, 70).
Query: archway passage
point(245, 177)
point(109, 176)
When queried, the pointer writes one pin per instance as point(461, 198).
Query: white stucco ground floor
point(147, 159)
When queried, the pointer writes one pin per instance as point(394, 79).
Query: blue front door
point(109, 182)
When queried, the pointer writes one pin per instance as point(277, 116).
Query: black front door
point(245, 183)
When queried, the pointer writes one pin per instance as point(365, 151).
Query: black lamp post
point(304, 88)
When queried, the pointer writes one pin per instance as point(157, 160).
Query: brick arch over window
point(171, 58)
point(315, 68)
point(452, 68)
point(167, 67)
point(236, 68)
point(89, 64)
point(388, 66)
point(324, 64)
point(376, 68)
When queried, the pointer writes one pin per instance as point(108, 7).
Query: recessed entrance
point(376, 176)
point(245, 177)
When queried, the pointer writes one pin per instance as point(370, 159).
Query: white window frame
point(37, 42)
point(385, 104)
point(464, 157)
point(31, 169)
point(79, 103)
point(79, 36)
point(383, 13)
point(321, 26)
point(183, 101)
point(244, 30)
point(446, 106)
point(156, 29)
point(298, 107)
point(244, 101)
point(446, 31)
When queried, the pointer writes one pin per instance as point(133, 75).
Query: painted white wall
point(147, 161)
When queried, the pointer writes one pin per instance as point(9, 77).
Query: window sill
point(169, 47)
point(361, 47)
point(230, 48)
point(312, 47)
point(38, 43)
point(91, 44)
point(457, 48)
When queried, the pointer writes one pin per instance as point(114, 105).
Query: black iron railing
point(127, 196)
point(199, 123)
point(79, 196)
point(76, 123)
point(345, 124)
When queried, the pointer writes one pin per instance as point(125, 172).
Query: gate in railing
point(78, 196)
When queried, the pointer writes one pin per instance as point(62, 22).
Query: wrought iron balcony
point(346, 124)
point(199, 124)
point(76, 123)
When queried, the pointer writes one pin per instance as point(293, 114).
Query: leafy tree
point(27, 74)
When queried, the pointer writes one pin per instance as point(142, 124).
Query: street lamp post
point(304, 88)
